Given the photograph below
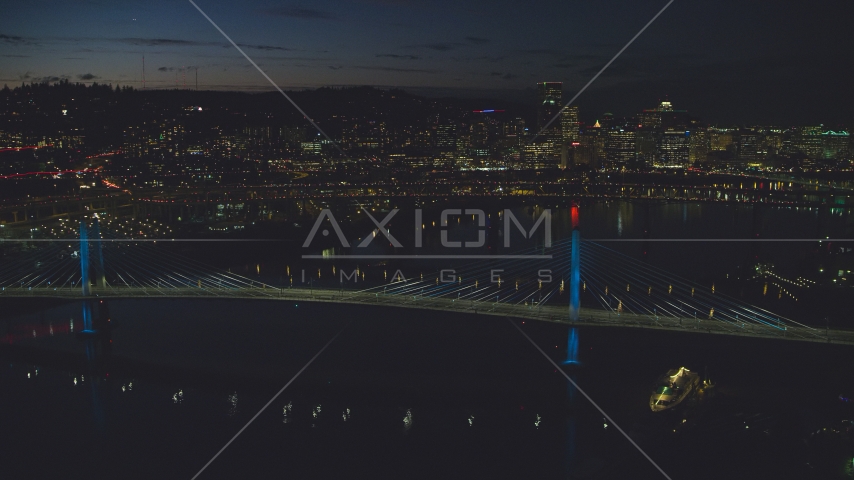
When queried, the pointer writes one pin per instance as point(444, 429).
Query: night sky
point(726, 61)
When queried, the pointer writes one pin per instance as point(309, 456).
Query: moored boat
point(673, 387)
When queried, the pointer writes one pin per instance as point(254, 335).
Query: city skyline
point(483, 239)
point(740, 72)
point(159, 131)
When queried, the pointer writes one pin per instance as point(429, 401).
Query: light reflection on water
point(201, 411)
point(229, 341)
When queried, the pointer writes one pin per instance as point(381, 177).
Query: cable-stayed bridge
point(573, 282)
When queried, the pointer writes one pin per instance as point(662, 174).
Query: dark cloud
point(441, 47)
point(266, 47)
point(87, 76)
point(302, 13)
point(562, 55)
point(333, 67)
point(393, 69)
point(271, 60)
point(163, 42)
point(494, 74)
point(403, 57)
point(543, 51)
point(478, 40)
point(46, 79)
point(509, 76)
point(181, 69)
point(482, 57)
point(398, 3)
point(13, 39)
point(438, 46)
point(15, 56)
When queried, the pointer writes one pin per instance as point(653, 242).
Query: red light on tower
point(574, 213)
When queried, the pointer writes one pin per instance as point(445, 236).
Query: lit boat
point(672, 388)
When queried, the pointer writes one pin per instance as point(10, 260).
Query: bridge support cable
point(469, 288)
point(701, 290)
point(629, 302)
point(726, 308)
point(637, 303)
point(164, 269)
point(659, 285)
point(29, 269)
point(482, 270)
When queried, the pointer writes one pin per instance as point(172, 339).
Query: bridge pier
point(100, 278)
point(575, 277)
point(574, 288)
point(100, 275)
point(84, 260)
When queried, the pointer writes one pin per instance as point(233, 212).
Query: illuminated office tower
point(664, 117)
point(720, 139)
point(650, 118)
point(620, 147)
point(808, 141)
point(569, 124)
point(446, 136)
point(674, 149)
point(835, 144)
point(540, 155)
point(591, 147)
point(698, 145)
point(514, 132)
point(549, 95)
point(646, 142)
point(749, 148)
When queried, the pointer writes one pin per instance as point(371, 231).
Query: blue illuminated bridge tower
point(85, 266)
point(574, 288)
point(85, 281)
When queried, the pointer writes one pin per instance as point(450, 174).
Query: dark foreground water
point(174, 380)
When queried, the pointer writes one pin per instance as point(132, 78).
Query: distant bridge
point(817, 184)
point(200, 202)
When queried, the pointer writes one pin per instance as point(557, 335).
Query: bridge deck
point(548, 313)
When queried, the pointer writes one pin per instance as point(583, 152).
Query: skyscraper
point(698, 144)
point(446, 136)
point(835, 144)
point(549, 95)
point(620, 147)
point(749, 148)
point(569, 124)
point(674, 148)
point(808, 141)
point(720, 139)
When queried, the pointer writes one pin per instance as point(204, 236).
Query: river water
point(419, 394)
